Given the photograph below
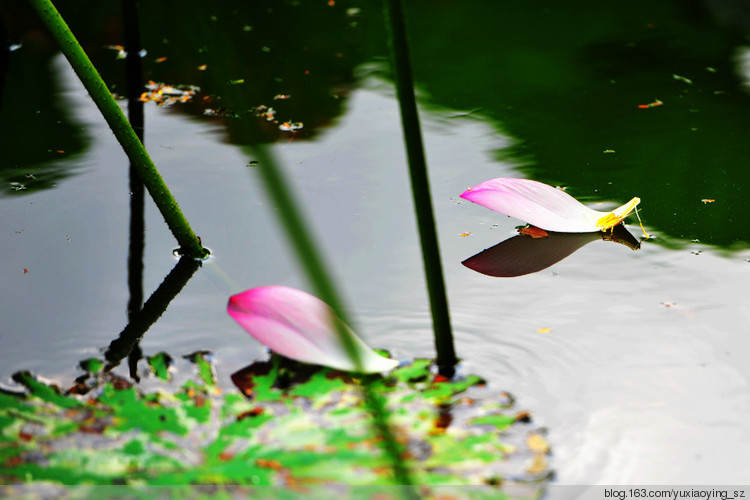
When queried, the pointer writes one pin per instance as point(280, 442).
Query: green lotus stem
point(306, 250)
point(291, 218)
point(446, 354)
point(97, 89)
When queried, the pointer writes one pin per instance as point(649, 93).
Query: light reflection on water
point(636, 381)
point(640, 379)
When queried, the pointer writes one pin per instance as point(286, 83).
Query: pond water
point(635, 361)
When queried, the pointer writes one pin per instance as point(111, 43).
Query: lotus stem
point(291, 218)
point(446, 354)
point(137, 242)
point(189, 243)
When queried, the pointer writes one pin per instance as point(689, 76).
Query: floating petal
point(302, 327)
point(544, 206)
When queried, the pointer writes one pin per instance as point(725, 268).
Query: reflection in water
point(280, 62)
point(4, 58)
point(38, 125)
point(524, 254)
point(134, 73)
point(151, 311)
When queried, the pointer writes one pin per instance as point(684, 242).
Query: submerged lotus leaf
point(295, 424)
point(544, 206)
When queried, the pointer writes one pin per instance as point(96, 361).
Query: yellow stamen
point(617, 215)
point(641, 223)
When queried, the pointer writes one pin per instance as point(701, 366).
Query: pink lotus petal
point(299, 326)
point(544, 206)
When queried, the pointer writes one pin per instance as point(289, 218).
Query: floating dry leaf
point(538, 463)
point(166, 95)
point(537, 443)
point(533, 231)
point(656, 102)
point(683, 79)
point(291, 126)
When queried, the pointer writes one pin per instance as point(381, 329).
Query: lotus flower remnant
point(544, 206)
point(301, 327)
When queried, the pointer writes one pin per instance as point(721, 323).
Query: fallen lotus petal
point(301, 327)
point(544, 206)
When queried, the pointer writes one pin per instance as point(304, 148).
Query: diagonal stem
point(291, 218)
point(97, 89)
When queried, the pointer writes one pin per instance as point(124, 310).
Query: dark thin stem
point(133, 66)
point(116, 120)
point(446, 354)
point(137, 240)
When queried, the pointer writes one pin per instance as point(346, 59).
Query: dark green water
point(564, 83)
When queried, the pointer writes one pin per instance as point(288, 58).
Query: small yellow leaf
point(543, 330)
point(538, 465)
point(537, 443)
